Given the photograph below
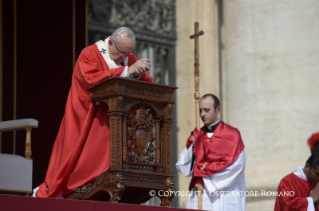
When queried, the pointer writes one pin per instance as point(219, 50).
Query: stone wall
point(268, 83)
point(188, 12)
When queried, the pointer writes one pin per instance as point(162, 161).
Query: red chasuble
point(301, 190)
point(81, 150)
point(215, 154)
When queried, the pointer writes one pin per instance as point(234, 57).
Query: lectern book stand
point(140, 118)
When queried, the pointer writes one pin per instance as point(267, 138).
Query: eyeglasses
point(120, 52)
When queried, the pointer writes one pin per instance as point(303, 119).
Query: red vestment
point(215, 155)
point(296, 186)
point(81, 150)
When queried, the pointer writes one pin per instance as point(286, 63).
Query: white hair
point(124, 33)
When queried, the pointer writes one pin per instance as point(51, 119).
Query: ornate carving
point(142, 168)
point(111, 103)
point(120, 87)
point(169, 109)
point(168, 120)
point(126, 166)
point(110, 183)
point(169, 182)
point(112, 141)
point(109, 88)
point(117, 191)
point(162, 147)
point(124, 131)
point(144, 179)
point(119, 102)
point(160, 108)
point(170, 96)
point(167, 198)
point(157, 141)
point(143, 92)
point(117, 114)
point(159, 169)
point(168, 149)
point(118, 147)
point(140, 142)
point(124, 139)
point(141, 135)
point(155, 16)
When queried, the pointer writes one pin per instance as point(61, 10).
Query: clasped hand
point(139, 67)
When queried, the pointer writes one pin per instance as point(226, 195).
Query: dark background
point(46, 45)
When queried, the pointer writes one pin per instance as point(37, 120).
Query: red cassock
point(215, 154)
point(301, 190)
point(81, 150)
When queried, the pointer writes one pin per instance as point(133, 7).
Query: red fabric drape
point(297, 190)
point(217, 154)
point(81, 150)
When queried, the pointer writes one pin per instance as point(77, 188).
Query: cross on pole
point(196, 64)
point(196, 95)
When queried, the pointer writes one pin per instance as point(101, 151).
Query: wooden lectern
point(140, 118)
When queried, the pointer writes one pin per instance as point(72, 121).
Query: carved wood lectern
point(140, 143)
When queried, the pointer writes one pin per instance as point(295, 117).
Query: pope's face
point(312, 174)
point(119, 50)
point(208, 113)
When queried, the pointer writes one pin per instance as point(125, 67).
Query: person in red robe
point(81, 150)
point(299, 191)
point(216, 161)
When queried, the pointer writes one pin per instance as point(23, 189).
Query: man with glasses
point(80, 152)
point(120, 46)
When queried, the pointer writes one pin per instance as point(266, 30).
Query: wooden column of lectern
point(140, 118)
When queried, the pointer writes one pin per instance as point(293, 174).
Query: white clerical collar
point(106, 42)
point(210, 134)
point(210, 126)
point(300, 173)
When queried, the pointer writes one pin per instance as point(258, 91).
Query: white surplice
point(223, 191)
point(300, 173)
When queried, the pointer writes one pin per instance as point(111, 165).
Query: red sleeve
point(194, 133)
point(92, 69)
point(289, 203)
point(146, 77)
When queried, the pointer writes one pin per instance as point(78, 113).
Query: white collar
point(299, 172)
point(209, 135)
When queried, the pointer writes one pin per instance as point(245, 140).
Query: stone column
point(271, 75)
point(188, 12)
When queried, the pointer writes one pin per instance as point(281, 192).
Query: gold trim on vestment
point(203, 167)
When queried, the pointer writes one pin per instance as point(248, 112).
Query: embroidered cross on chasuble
point(103, 50)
